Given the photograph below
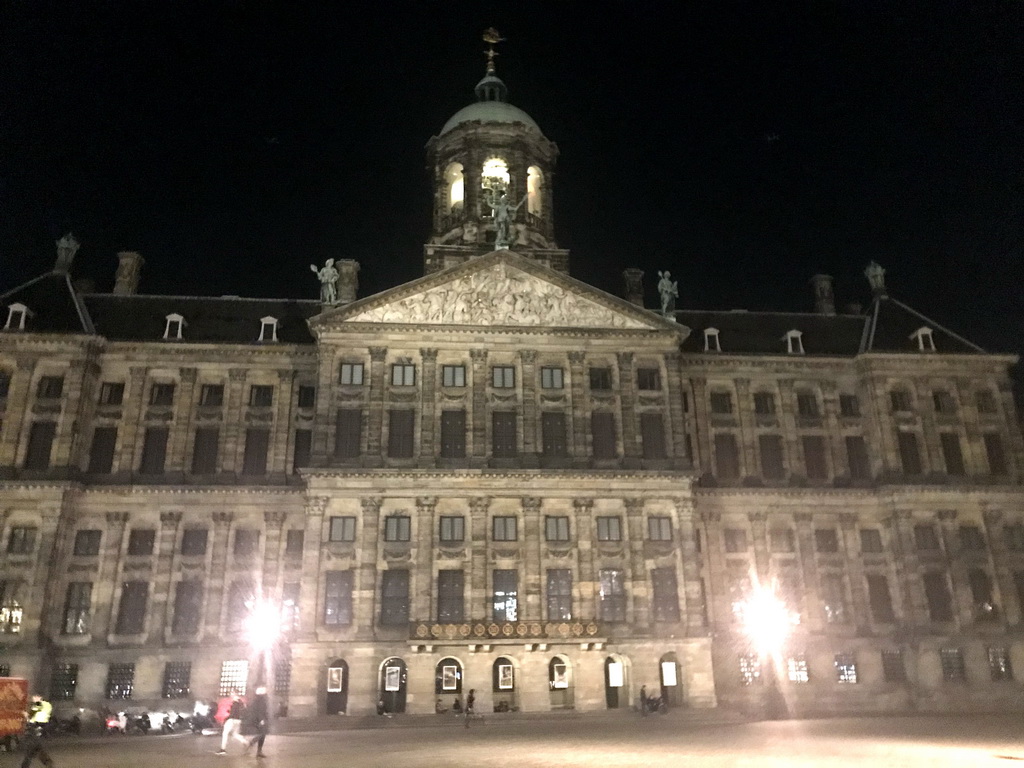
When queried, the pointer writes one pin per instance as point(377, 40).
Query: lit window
point(796, 666)
point(952, 661)
point(177, 679)
point(999, 664)
point(11, 608)
point(750, 669)
point(455, 183)
point(495, 176)
point(534, 190)
point(174, 327)
point(268, 329)
point(233, 676)
point(846, 668)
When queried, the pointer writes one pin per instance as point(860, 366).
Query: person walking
point(643, 700)
point(470, 702)
point(259, 713)
point(233, 724)
point(36, 721)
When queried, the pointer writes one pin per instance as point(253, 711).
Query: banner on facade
point(13, 705)
point(615, 674)
point(668, 673)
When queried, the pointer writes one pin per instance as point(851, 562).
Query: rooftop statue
point(328, 277)
point(669, 291)
point(503, 212)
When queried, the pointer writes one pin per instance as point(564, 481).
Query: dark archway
point(336, 687)
point(394, 678)
point(503, 685)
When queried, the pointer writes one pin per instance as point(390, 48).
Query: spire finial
point(492, 37)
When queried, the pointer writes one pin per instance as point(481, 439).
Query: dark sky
point(745, 146)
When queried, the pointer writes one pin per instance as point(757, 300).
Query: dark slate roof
point(225, 320)
point(53, 305)
point(760, 333)
point(891, 323)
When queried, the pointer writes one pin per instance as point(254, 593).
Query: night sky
point(744, 146)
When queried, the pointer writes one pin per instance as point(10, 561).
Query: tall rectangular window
point(986, 401)
point(503, 376)
point(1013, 537)
point(727, 456)
point(193, 541)
point(504, 443)
point(971, 538)
point(826, 540)
point(342, 528)
point(12, 609)
point(87, 542)
point(910, 455)
point(953, 668)
point(401, 426)
point(721, 403)
point(849, 406)
point(600, 379)
point(451, 597)
point(833, 598)
point(944, 402)
point(796, 666)
point(257, 444)
point(609, 528)
point(652, 436)
point(5, 383)
point(807, 405)
point(846, 668)
point(764, 404)
point(880, 599)
point(893, 668)
point(951, 453)
point(552, 429)
point(338, 598)
point(453, 434)
point(612, 595)
point(664, 595)
point(772, 464)
point(403, 375)
point(559, 594)
point(295, 542)
point(659, 528)
point(50, 387)
point(211, 395)
point(101, 452)
point(735, 540)
point(900, 401)
point(996, 455)
point(870, 541)
point(141, 541)
point(204, 451)
point(936, 592)
point(648, 379)
point(261, 396)
point(154, 451)
point(394, 602)
point(397, 528)
point(162, 394)
point(982, 599)
point(925, 538)
point(452, 528)
point(306, 397)
point(857, 457)
point(40, 445)
point(247, 542)
point(303, 449)
point(77, 608)
point(750, 669)
point(351, 375)
point(551, 378)
point(814, 457)
point(349, 433)
point(177, 680)
point(188, 607)
point(131, 613)
point(602, 431)
point(453, 375)
point(781, 540)
point(504, 528)
point(505, 595)
point(234, 674)
point(556, 528)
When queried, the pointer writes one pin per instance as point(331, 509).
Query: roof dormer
point(268, 328)
point(925, 339)
point(17, 314)
point(794, 342)
point(175, 326)
point(712, 343)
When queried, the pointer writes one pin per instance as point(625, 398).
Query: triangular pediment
point(502, 289)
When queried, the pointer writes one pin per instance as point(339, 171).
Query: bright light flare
point(263, 625)
point(766, 620)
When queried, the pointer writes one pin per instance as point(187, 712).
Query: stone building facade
point(499, 477)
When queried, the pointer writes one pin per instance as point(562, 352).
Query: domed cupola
point(493, 171)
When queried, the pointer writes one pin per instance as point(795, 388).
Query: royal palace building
point(499, 477)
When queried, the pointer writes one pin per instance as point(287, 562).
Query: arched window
point(455, 187)
point(534, 190)
point(494, 176)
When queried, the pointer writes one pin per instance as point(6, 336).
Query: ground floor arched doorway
point(560, 683)
point(616, 688)
point(336, 685)
point(503, 681)
point(671, 680)
point(392, 687)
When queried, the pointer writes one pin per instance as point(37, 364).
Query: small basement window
point(268, 329)
point(174, 327)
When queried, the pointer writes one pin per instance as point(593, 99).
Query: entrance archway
point(503, 684)
point(448, 681)
point(392, 687)
point(616, 683)
point(336, 685)
point(560, 683)
point(670, 675)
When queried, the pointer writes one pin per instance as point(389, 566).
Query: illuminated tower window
point(495, 175)
point(456, 186)
point(534, 190)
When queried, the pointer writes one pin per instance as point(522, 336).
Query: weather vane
point(492, 37)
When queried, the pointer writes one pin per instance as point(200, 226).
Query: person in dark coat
point(259, 715)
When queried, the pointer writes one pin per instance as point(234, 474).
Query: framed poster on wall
point(335, 679)
point(615, 677)
point(392, 678)
point(505, 679)
point(559, 676)
point(668, 673)
point(449, 678)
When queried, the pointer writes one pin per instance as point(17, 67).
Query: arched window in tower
point(494, 177)
point(534, 190)
point(455, 185)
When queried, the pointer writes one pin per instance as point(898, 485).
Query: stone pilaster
point(963, 603)
point(585, 590)
point(748, 434)
point(66, 436)
point(478, 430)
point(907, 567)
point(375, 416)
point(218, 573)
point(1004, 583)
point(631, 450)
point(282, 432)
point(702, 416)
point(16, 414)
point(312, 576)
point(811, 610)
point(693, 613)
point(234, 425)
point(273, 522)
point(325, 418)
point(185, 403)
point(580, 410)
point(787, 423)
point(366, 579)
point(717, 587)
point(532, 546)
point(476, 530)
point(162, 609)
point(849, 549)
point(427, 446)
point(676, 416)
point(421, 604)
point(131, 424)
point(531, 429)
point(107, 587)
point(639, 609)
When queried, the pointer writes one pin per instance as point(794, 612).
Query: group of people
point(256, 713)
point(458, 708)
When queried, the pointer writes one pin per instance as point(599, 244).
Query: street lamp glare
point(262, 625)
point(767, 620)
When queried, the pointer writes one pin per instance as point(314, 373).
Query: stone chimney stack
point(875, 273)
point(348, 280)
point(634, 286)
point(824, 298)
point(67, 247)
point(129, 267)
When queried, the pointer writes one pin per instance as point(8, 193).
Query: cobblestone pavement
point(559, 740)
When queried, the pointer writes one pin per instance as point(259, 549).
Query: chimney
point(129, 265)
point(875, 274)
point(634, 286)
point(824, 298)
point(348, 280)
point(67, 247)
